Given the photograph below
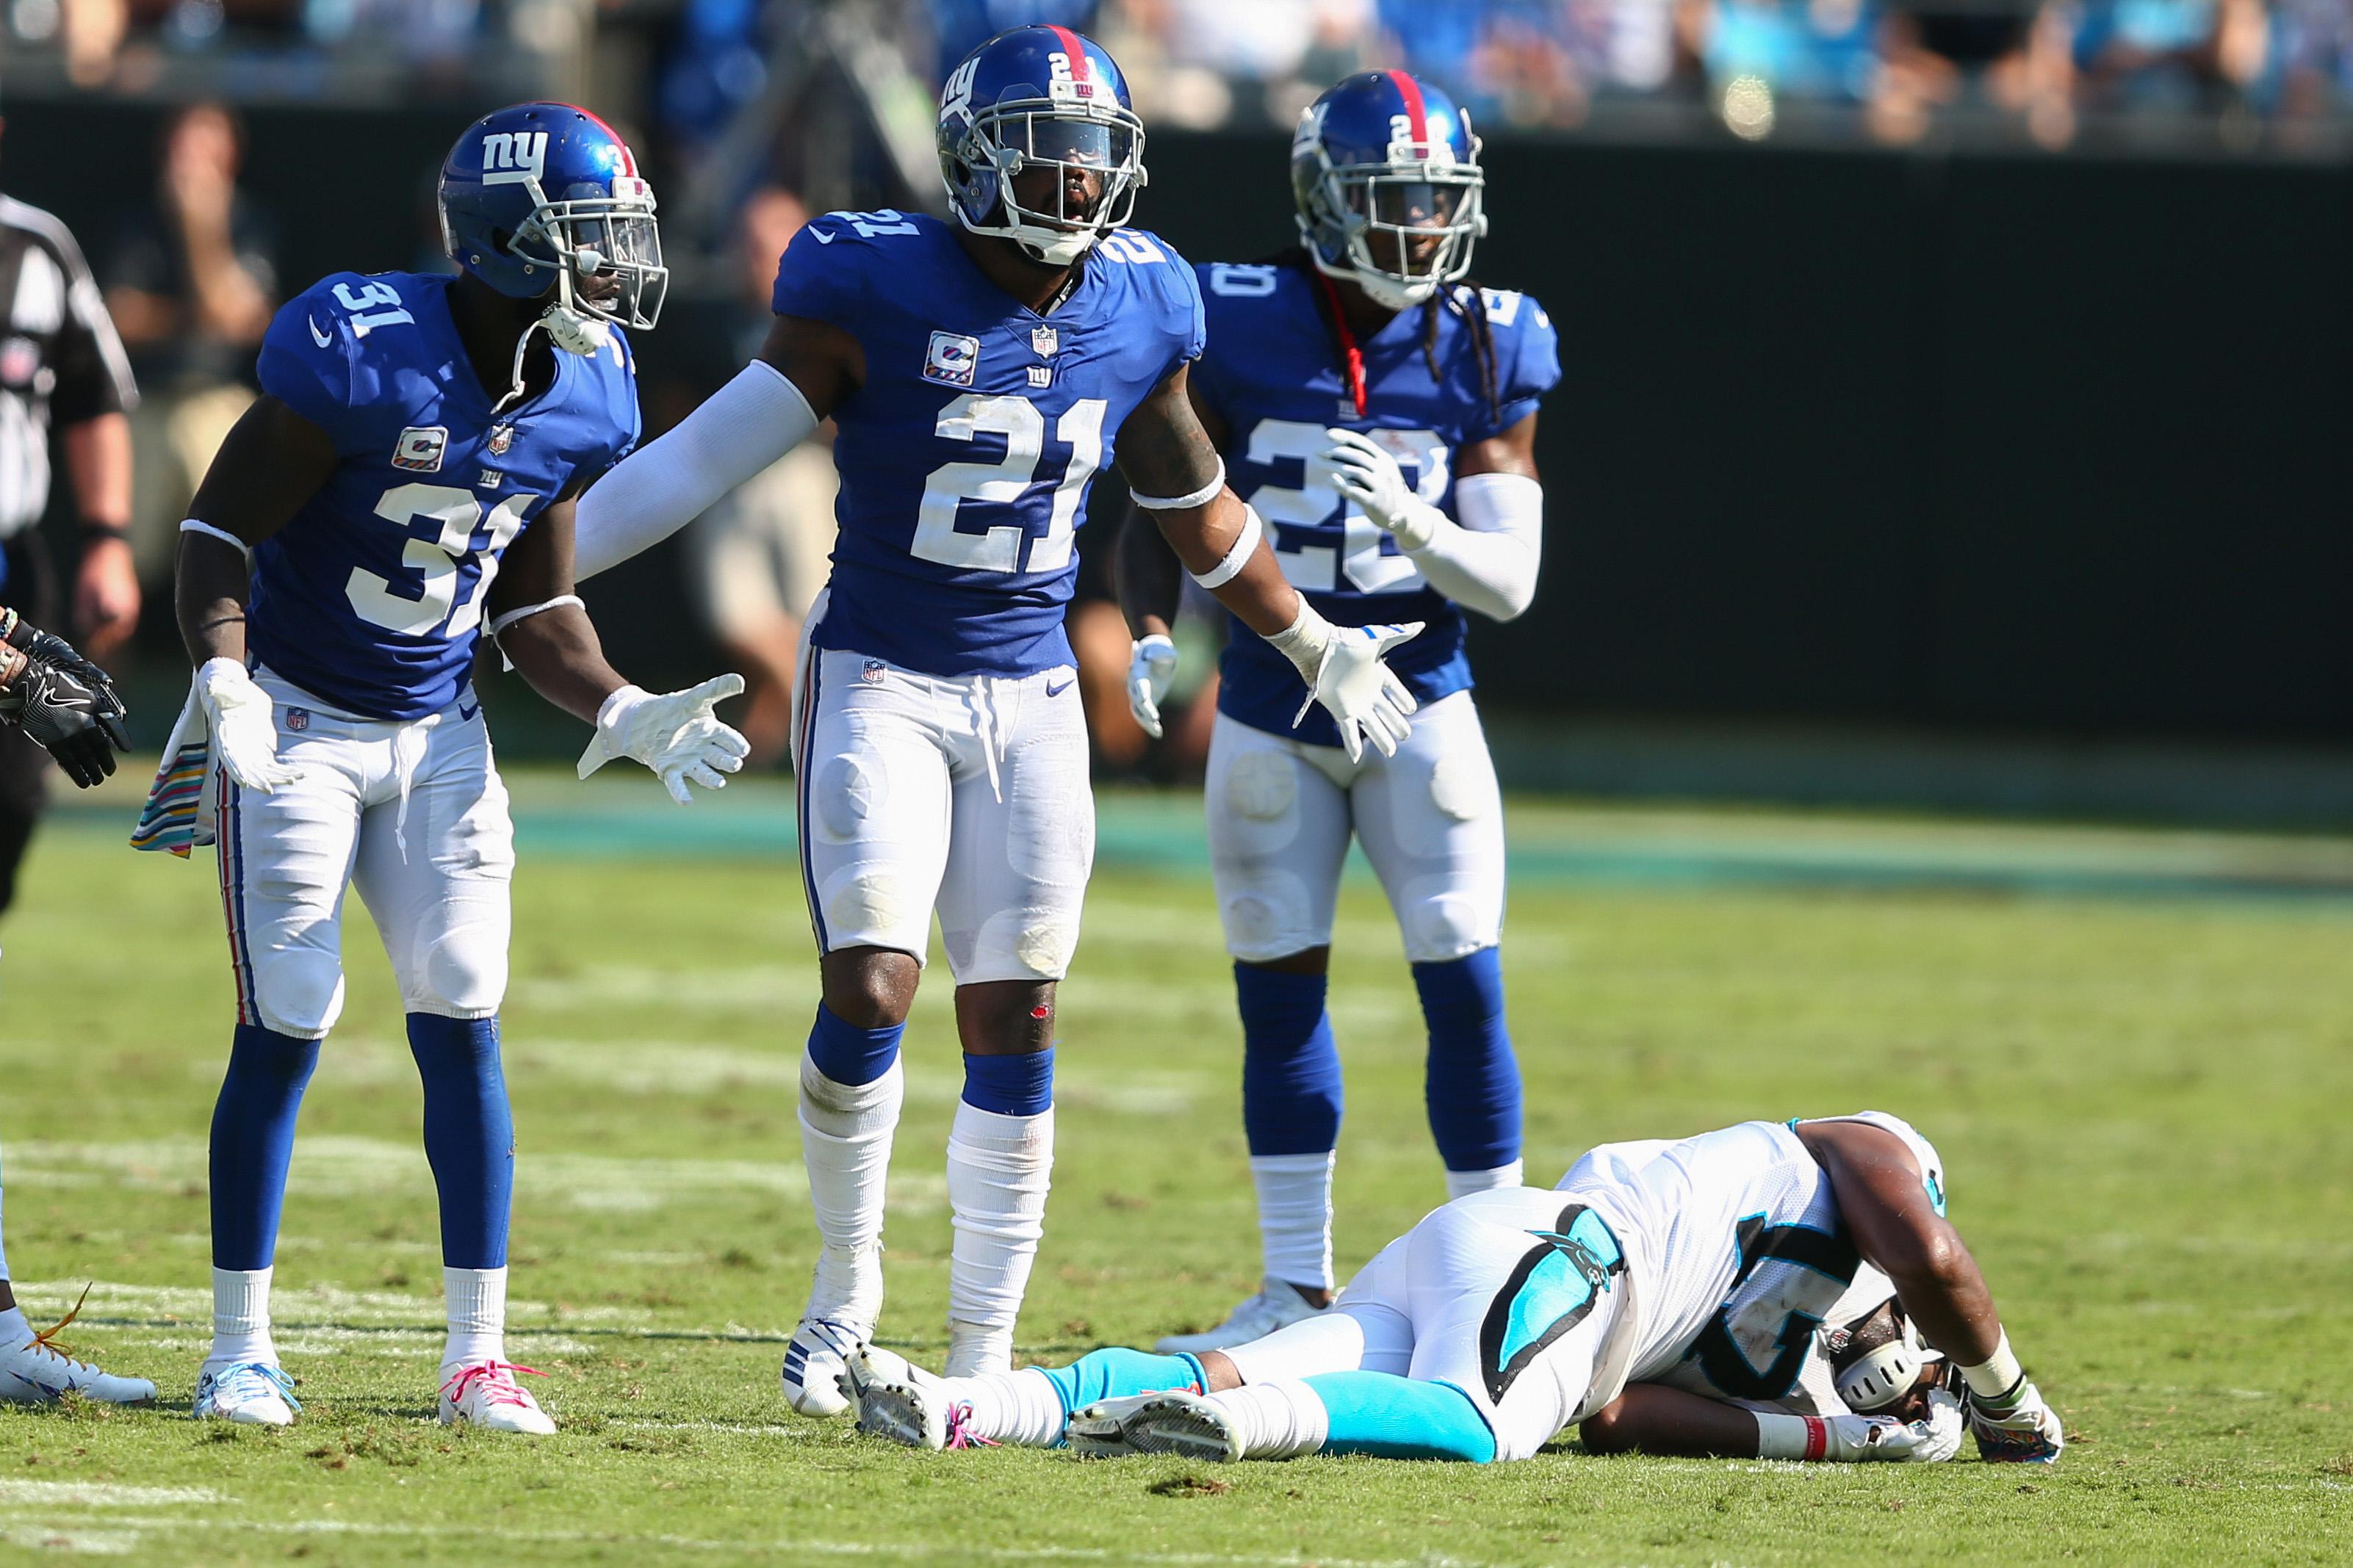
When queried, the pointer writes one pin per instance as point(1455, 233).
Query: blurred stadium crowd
point(1884, 69)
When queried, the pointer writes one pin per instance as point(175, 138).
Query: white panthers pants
point(415, 817)
point(1512, 1296)
point(1430, 819)
point(968, 793)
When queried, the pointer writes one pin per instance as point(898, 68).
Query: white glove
point(1343, 671)
point(676, 734)
point(1857, 1439)
point(2028, 1432)
point(1150, 667)
point(244, 732)
point(1936, 1437)
point(1366, 474)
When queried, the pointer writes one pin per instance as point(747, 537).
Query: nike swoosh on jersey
point(324, 340)
point(1054, 691)
point(466, 713)
point(825, 239)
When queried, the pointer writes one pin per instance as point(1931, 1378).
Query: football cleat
point(896, 1399)
point(1188, 1425)
point(815, 1364)
point(249, 1393)
point(40, 1371)
point(1278, 1305)
point(484, 1394)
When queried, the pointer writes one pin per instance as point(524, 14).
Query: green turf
point(2139, 1102)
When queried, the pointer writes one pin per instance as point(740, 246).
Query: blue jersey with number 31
point(371, 597)
point(1276, 378)
point(967, 454)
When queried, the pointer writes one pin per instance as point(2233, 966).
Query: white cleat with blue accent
point(1188, 1425)
point(39, 1371)
point(815, 1364)
point(249, 1393)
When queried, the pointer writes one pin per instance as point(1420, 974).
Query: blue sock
point(1290, 1066)
point(1010, 1085)
point(1114, 1373)
point(848, 1054)
point(1473, 1087)
point(1393, 1417)
point(468, 1134)
point(253, 1139)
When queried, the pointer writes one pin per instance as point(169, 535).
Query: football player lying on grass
point(1666, 1296)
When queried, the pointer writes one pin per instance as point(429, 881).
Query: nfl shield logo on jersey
point(419, 449)
point(951, 359)
point(873, 672)
point(1046, 341)
point(298, 718)
point(501, 438)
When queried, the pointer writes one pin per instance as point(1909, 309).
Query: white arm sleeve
point(1488, 563)
point(657, 490)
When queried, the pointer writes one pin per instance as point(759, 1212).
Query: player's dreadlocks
point(1472, 311)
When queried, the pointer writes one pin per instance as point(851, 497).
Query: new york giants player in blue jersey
point(1380, 414)
point(408, 480)
point(981, 372)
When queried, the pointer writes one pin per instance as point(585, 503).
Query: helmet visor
point(614, 249)
point(1067, 172)
point(1415, 225)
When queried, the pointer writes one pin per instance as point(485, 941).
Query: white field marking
point(16, 1493)
point(81, 1542)
point(797, 1547)
point(321, 1304)
point(394, 1344)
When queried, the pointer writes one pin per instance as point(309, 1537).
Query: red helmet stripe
point(1410, 90)
point(1074, 47)
point(628, 159)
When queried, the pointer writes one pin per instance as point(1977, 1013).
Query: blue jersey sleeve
point(824, 272)
point(1527, 358)
point(310, 362)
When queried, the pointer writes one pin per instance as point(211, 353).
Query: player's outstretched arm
point(544, 631)
point(1653, 1418)
point(272, 462)
point(773, 405)
point(1487, 562)
point(1174, 472)
point(1887, 1208)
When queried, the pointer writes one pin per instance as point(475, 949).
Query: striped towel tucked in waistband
point(177, 816)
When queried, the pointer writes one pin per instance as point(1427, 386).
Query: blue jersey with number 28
point(371, 597)
point(966, 455)
point(1274, 375)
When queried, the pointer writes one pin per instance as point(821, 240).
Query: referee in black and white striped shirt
point(61, 368)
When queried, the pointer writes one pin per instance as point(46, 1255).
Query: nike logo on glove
point(325, 340)
point(1054, 691)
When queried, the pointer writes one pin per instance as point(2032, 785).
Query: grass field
point(2140, 1083)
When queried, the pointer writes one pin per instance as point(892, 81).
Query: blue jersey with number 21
point(1275, 377)
point(371, 597)
point(967, 454)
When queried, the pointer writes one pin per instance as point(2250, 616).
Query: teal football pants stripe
point(1393, 1417)
point(1115, 1373)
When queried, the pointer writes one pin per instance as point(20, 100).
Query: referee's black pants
point(23, 766)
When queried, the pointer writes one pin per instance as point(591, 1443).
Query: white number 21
point(1004, 482)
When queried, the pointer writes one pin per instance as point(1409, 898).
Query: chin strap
point(574, 331)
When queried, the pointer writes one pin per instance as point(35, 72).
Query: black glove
point(73, 722)
point(48, 648)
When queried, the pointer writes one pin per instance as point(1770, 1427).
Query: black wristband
point(120, 531)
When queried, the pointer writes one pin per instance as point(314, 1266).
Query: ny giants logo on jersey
point(951, 359)
point(420, 449)
point(511, 157)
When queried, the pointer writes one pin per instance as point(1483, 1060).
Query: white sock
point(999, 1170)
point(1018, 1407)
point(1462, 1184)
point(1294, 1216)
point(478, 1316)
point(14, 1330)
point(846, 1131)
point(241, 1317)
point(1278, 1420)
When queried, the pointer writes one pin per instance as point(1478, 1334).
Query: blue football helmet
point(546, 195)
point(1385, 171)
point(1040, 99)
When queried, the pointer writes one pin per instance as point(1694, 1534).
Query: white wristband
point(1230, 565)
point(190, 525)
point(1178, 503)
point(1998, 1375)
point(1304, 642)
point(512, 617)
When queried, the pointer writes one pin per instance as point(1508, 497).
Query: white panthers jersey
point(1736, 1255)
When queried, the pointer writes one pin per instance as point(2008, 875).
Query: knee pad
point(1463, 787)
point(1444, 926)
point(1269, 919)
point(868, 903)
point(462, 972)
point(848, 792)
point(1260, 786)
point(299, 991)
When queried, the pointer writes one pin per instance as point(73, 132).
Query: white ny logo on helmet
point(511, 157)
